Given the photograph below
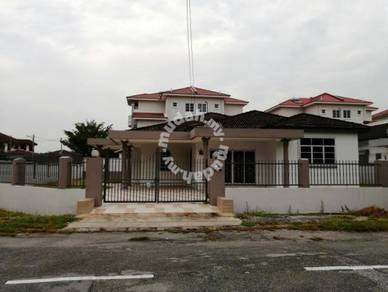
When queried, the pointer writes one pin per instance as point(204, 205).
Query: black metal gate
point(147, 180)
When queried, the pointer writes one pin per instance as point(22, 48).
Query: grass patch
point(370, 219)
point(343, 223)
point(250, 214)
point(12, 223)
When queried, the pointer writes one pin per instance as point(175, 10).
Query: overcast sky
point(67, 61)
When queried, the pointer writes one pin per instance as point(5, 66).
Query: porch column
point(216, 185)
point(286, 167)
point(205, 143)
point(124, 165)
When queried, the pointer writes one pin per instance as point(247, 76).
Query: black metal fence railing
point(41, 173)
point(343, 173)
point(78, 174)
point(262, 173)
point(5, 171)
point(280, 173)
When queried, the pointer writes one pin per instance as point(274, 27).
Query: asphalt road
point(218, 261)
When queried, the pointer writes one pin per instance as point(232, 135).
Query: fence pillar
point(382, 173)
point(286, 165)
point(64, 172)
point(19, 171)
point(303, 173)
point(94, 180)
point(216, 185)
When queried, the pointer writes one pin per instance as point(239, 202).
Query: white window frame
point(174, 104)
point(189, 107)
point(336, 113)
point(202, 107)
point(347, 114)
point(326, 145)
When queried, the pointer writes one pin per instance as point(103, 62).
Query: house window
point(136, 105)
point(379, 156)
point(336, 114)
point(347, 114)
point(202, 107)
point(318, 150)
point(216, 105)
point(189, 107)
point(323, 111)
point(240, 167)
point(174, 104)
point(359, 112)
point(163, 165)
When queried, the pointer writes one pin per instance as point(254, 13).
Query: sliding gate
point(148, 180)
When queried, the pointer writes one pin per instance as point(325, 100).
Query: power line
point(190, 51)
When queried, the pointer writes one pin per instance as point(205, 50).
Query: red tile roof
point(322, 98)
point(380, 115)
point(192, 91)
point(154, 116)
point(230, 100)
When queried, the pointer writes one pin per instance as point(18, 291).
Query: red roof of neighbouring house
point(186, 91)
point(322, 98)
point(153, 116)
point(380, 115)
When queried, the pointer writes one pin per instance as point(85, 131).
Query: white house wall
point(306, 200)
point(354, 116)
point(171, 111)
point(231, 109)
point(346, 145)
point(150, 107)
point(287, 112)
point(379, 121)
point(316, 109)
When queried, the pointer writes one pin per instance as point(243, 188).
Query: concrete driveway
point(216, 261)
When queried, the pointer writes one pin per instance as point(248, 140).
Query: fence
point(5, 171)
point(41, 173)
point(280, 173)
point(78, 174)
point(148, 180)
point(262, 173)
point(44, 174)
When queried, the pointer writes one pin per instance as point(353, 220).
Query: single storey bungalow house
point(264, 149)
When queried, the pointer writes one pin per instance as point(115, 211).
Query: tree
point(77, 138)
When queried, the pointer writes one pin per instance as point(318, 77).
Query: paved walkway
point(152, 216)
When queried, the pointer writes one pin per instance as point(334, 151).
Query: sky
point(65, 61)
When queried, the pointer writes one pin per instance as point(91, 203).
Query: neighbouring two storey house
point(374, 142)
point(153, 108)
point(329, 106)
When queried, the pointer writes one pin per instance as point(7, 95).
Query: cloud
point(67, 61)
